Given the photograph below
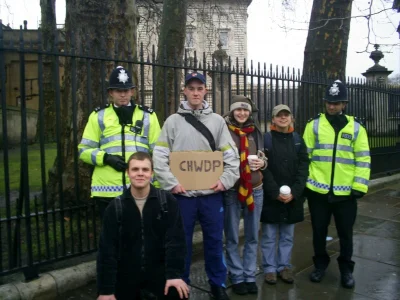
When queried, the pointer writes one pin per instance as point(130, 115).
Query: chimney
point(25, 24)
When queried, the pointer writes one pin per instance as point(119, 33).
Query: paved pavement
point(376, 253)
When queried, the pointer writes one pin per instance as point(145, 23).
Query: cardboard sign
point(197, 170)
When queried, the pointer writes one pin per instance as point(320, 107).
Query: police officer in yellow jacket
point(112, 134)
point(339, 171)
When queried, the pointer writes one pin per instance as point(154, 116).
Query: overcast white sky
point(268, 39)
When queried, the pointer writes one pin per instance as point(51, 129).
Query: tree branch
point(333, 19)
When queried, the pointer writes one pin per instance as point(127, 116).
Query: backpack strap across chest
point(162, 198)
point(118, 213)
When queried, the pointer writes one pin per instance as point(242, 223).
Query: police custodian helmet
point(336, 92)
point(120, 78)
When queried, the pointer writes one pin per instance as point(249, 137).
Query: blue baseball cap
point(195, 75)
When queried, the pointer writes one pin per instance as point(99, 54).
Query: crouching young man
point(142, 244)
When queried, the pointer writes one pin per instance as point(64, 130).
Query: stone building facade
point(211, 25)
point(208, 23)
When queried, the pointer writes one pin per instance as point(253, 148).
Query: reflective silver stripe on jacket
point(146, 124)
point(361, 180)
point(315, 129)
point(356, 130)
point(89, 143)
point(362, 153)
point(347, 161)
point(128, 137)
point(116, 149)
point(331, 146)
point(100, 119)
point(363, 164)
point(93, 156)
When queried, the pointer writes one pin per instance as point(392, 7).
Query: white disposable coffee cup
point(285, 190)
point(250, 159)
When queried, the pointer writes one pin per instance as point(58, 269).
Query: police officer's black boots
point(347, 280)
point(317, 275)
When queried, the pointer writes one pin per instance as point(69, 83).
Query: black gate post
point(30, 271)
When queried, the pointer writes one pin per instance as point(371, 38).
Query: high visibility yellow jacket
point(103, 134)
point(345, 156)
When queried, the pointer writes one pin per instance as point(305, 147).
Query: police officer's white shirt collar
point(116, 106)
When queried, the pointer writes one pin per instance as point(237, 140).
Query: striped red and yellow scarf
point(245, 188)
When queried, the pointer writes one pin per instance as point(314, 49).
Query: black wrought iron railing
point(46, 213)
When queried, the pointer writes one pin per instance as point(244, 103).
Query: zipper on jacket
point(123, 155)
point(143, 246)
point(334, 158)
point(142, 250)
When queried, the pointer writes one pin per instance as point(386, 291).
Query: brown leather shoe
point(286, 275)
point(270, 278)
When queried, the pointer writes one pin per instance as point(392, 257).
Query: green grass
point(34, 168)
point(71, 230)
point(39, 230)
point(38, 236)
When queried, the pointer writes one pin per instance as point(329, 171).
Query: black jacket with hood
point(286, 166)
point(160, 248)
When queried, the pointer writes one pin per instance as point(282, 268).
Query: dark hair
point(140, 156)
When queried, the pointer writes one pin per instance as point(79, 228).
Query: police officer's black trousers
point(344, 213)
point(102, 203)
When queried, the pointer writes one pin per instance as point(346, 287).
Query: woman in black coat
point(287, 166)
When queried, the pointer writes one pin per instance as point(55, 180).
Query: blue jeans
point(242, 270)
point(273, 259)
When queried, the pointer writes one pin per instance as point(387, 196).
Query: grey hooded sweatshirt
point(178, 135)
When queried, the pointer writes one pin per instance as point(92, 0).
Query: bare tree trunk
point(326, 50)
point(101, 26)
point(49, 30)
point(171, 44)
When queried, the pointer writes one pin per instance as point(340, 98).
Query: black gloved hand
point(115, 161)
point(356, 194)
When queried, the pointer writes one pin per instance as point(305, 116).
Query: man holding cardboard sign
point(195, 146)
